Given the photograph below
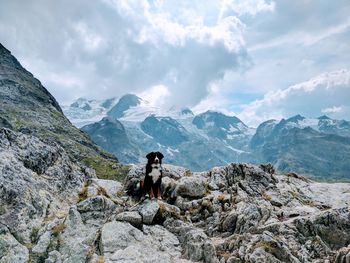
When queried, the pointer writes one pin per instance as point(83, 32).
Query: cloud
point(111, 47)
point(243, 7)
point(333, 109)
point(312, 98)
point(156, 95)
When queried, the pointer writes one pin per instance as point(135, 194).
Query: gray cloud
point(107, 48)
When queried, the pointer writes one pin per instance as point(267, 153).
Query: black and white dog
point(153, 178)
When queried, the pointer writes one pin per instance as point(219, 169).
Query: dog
point(150, 186)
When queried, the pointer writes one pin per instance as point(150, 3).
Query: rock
point(121, 242)
point(54, 257)
point(10, 249)
point(37, 179)
point(217, 179)
point(133, 217)
point(110, 188)
point(343, 255)
point(166, 211)
point(197, 246)
point(148, 210)
point(76, 239)
point(191, 186)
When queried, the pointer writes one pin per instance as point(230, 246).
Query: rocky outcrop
point(26, 106)
point(55, 210)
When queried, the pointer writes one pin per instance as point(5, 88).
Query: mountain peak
point(125, 102)
point(324, 117)
point(296, 118)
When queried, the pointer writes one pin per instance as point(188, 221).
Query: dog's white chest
point(155, 174)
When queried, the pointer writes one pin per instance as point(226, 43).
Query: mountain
point(309, 146)
point(110, 134)
point(125, 103)
point(223, 127)
point(165, 130)
point(54, 208)
point(83, 111)
point(177, 137)
point(27, 107)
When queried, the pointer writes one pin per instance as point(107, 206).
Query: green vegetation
point(107, 169)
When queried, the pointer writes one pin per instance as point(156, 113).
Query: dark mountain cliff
point(27, 106)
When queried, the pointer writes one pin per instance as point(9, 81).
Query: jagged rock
point(76, 239)
point(197, 246)
point(37, 179)
point(132, 217)
point(148, 210)
point(10, 249)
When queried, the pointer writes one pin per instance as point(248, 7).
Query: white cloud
point(156, 95)
point(304, 38)
point(333, 109)
point(309, 98)
point(242, 7)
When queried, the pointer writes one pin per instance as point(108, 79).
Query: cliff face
point(26, 106)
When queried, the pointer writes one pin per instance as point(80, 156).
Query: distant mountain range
point(129, 127)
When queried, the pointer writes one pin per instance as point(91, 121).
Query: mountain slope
point(28, 107)
point(302, 145)
point(110, 134)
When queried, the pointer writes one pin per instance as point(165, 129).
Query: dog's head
point(155, 158)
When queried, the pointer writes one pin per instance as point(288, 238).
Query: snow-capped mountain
point(134, 127)
point(84, 111)
point(313, 146)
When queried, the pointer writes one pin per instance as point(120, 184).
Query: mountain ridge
point(226, 138)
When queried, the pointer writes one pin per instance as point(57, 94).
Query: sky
point(256, 59)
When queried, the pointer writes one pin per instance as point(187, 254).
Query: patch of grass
point(2, 210)
point(83, 193)
point(107, 169)
point(188, 173)
point(224, 254)
point(264, 245)
point(34, 234)
point(58, 229)
point(102, 191)
point(266, 196)
point(100, 259)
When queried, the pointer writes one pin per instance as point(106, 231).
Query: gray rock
point(121, 242)
point(10, 249)
point(148, 210)
point(76, 239)
point(110, 187)
point(197, 246)
point(46, 181)
point(132, 217)
point(191, 186)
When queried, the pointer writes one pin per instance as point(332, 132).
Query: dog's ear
point(160, 155)
point(149, 155)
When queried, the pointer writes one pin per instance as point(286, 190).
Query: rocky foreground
point(55, 210)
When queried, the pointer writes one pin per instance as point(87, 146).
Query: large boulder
point(121, 242)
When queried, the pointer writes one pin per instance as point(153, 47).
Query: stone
point(121, 242)
point(110, 187)
point(132, 217)
point(191, 186)
point(148, 210)
point(10, 249)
